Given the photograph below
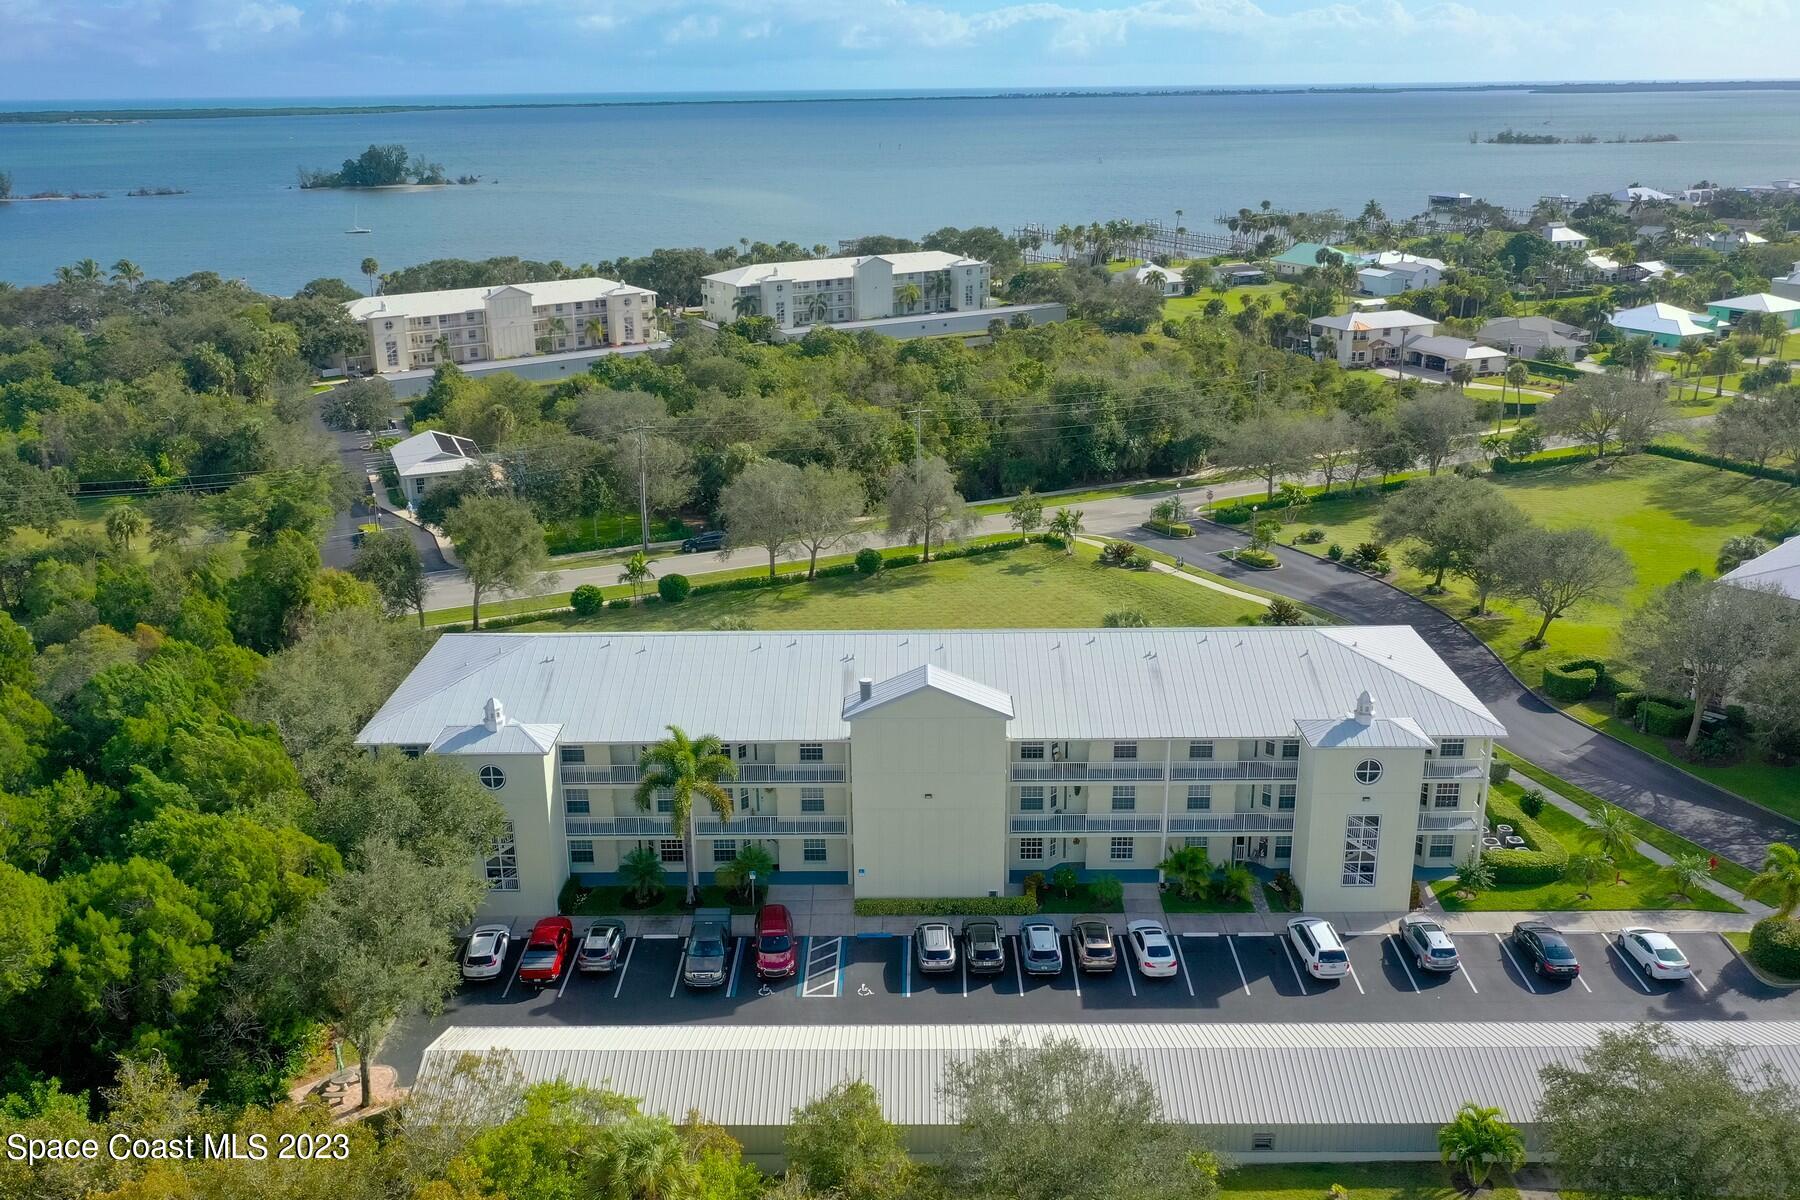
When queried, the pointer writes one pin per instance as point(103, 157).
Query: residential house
point(1168, 280)
point(1639, 195)
point(1787, 286)
point(1562, 236)
point(1445, 354)
point(1732, 239)
point(956, 763)
point(1390, 273)
point(1666, 325)
point(1368, 338)
point(1529, 337)
point(1302, 257)
point(424, 458)
point(1730, 309)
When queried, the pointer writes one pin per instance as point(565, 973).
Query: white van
point(1321, 950)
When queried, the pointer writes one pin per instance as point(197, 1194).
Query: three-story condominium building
point(835, 291)
point(417, 330)
point(954, 763)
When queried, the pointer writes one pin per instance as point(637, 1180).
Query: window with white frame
point(1450, 748)
point(725, 850)
point(1124, 797)
point(1029, 751)
point(1362, 844)
point(1031, 799)
point(572, 754)
point(665, 800)
point(1442, 845)
point(1200, 749)
point(1199, 797)
point(1031, 849)
point(812, 799)
point(502, 864)
point(1284, 797)
point(1192, 842)
point(581, 852)
point(670, 850)
point(1122, 849)
point(1448, 795)
point(812, 752)
point(1290, 749)
point(1284, 848)
point(812, 850)
point(575, 801)
point(1125, 750)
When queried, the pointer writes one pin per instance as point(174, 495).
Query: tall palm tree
point(88, 271)
point(123, 523)
point(1517, 374)
point(689, 769)
point(128, 273)
point(644, 1159)
point(1611, 834)
point(1779, 880)
point(1635, 355)
point(818, 308)
point(1478, 1140)
point(1066, 525)
point(907, 296)
point(637, 572)
point(370, 269)
point(1723, 360)
point(747, 304)
point(596, 332)
point(1460, 375)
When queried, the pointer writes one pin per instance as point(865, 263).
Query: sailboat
point(357, 226)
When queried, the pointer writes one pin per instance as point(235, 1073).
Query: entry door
point(1240, 849)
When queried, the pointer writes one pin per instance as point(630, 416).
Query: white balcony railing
point(710, 827)
point(578, 774)
point(1078, 772)
point(1249, 770)
point(1452, 769)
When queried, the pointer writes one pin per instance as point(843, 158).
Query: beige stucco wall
point(510, 324)
point(929, 809)
point(1329, 794)
point(537, 834)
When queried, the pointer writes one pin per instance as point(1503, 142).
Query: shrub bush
point(1775, 946)
point(868, 561)
point(1179, 529)
point(1724, 464)
point(1369, 556)
point(1232, 515)
point(1311, 537)
point(1625, 704)
point(587, 600)
point(1603, 678)
point(903, 560)
point(948, 906)
point(621, 602)
point(1106, 891)
point(1122, 554)
point(1532, 803)
point(1561, 684)
point(1664, 719)
point(835, 570)
point(1499, 772)
point(1334, 552)
point(1256, 558)
point(1543, 860)
point(674, 588)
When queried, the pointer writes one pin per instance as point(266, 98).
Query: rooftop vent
point(493, 715)
point(1365, 708)
point(865, 687)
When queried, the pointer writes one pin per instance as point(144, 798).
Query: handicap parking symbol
point(863, 989)
point(765, 990)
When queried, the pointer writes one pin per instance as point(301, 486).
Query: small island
point(382, 167)
point(1518, 137)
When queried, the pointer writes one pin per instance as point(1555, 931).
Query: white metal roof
point(806, 270)
point(1062, 683)
point(432, 453)
point(1401, 733)
point(1778, 568)
point(1661, 318)
point(1399, 260)
point(1758, 302)
point(510, 738)
point(455, 300)
point(1453, 347)
point(928, 677)
point(1393, 318)
point(1562, 235)
point(1206, 1074)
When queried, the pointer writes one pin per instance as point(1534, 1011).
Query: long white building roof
point(1778, 569)
point(1062, 683)
point(455, 300)
point(1206, 1074)
point(1662, 317)
point(806, 270)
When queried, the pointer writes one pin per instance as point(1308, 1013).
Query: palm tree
point(1582, 870)
point(1611, 834)
point(1779, 879)
point(370, 269)
point(644, 1159)
point(637, 573)
point(1478, 1140)
point(688, 769)
point(124, 522)
point(907, 296)
point(1066, 524)
point(128, 273)
point(596, 331)
point(747, 304)
point(1688, 874)
point(1517, 374)
point(1635, 355)
point(1461, 374)
point(818, 308)
point(643, 875)
point(1723, 360)
point(753, 861)
point(88, 271)
point(1188, 869)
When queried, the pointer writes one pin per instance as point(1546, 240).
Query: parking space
point(1236, 977)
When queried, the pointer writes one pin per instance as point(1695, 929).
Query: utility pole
point(643, 497)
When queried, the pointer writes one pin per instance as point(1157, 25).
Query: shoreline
point(143, 115)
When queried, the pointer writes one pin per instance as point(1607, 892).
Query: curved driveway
point(1536, 731)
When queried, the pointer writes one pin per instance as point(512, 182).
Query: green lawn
point(1669, 516)
point(1740, 941)
point(1176, 308)
point(1641, 884)
point(1034, 587)
point(1361, 1181)
point(1081, 900)
point(609, 900)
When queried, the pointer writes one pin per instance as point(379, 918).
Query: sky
point(167, 49)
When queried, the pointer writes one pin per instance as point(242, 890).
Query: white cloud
point(692, 27)
point(238, 24)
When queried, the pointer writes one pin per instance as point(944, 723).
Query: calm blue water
point(594, 183)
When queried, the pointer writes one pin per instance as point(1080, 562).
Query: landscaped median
point(1771, 950)
point(1041, 894)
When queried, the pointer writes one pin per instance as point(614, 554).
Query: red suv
point(546, 949)
point(775, 956)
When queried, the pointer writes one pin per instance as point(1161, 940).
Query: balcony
point(708, 827)
point(1081, 772)
point(1247, 822)
point(1073, 823)
point(1453, 769)
point(1461, 821)
point(1250, 770)
point(627, 773)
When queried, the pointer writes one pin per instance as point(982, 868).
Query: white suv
point(1319, 947)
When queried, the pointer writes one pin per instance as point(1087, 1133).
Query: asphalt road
point(338, 549)
point(1225, 978)
point(1536, 731)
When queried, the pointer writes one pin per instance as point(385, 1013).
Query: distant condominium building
point(836, 291)
point(956, 763)
point(416, 331)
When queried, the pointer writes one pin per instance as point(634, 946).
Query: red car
point(544, 953)
point(775, 955)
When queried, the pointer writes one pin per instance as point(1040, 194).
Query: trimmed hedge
point(1543, 860)
point(1601, 674)
point(1779, 475)
point(1239, 513)
point(1178, 529)
point(1665, 719)
point(587, 600)
point(1625, 704)
point(674, 588)
point(1255, 558)
point(1775, 946)
point(868, 560)
point(949, 906)
point(1560, 683)
point(1549, 458)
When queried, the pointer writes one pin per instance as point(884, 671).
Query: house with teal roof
point(1301, 256)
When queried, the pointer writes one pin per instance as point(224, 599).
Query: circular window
point(493, 778)
point(1368, 771)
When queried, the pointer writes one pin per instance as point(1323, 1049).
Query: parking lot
point(1226, 977)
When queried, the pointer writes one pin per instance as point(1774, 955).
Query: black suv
point(712, 539)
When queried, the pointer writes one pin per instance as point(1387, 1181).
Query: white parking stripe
point(1074, 967)
point(1182, 959)
point(515, 974)
point(1129, 966)
point(1292, 962)
point(1018, 967)
point(680, 962)
point(1464, 972)
point(1523, 977)
point(1400, 957)
point(1636, 974)
point(737, 957)
point(1229, 944)
point(965, 976)
point(625, 966)
point(568, 974)
point(1353, 976)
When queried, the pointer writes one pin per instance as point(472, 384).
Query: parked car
point(985, 948)
point(545, 950)
point(703, 962)
point(935, 947)
point(1092, 941)
point(1654, 953)
point(1431, 947)
point(712, 539)
point(1548, 952)
point(776, 957)
point(1040, 947)
point(601, 946)
point(1151, 949)
point(1321, 951)
point(485, 955)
